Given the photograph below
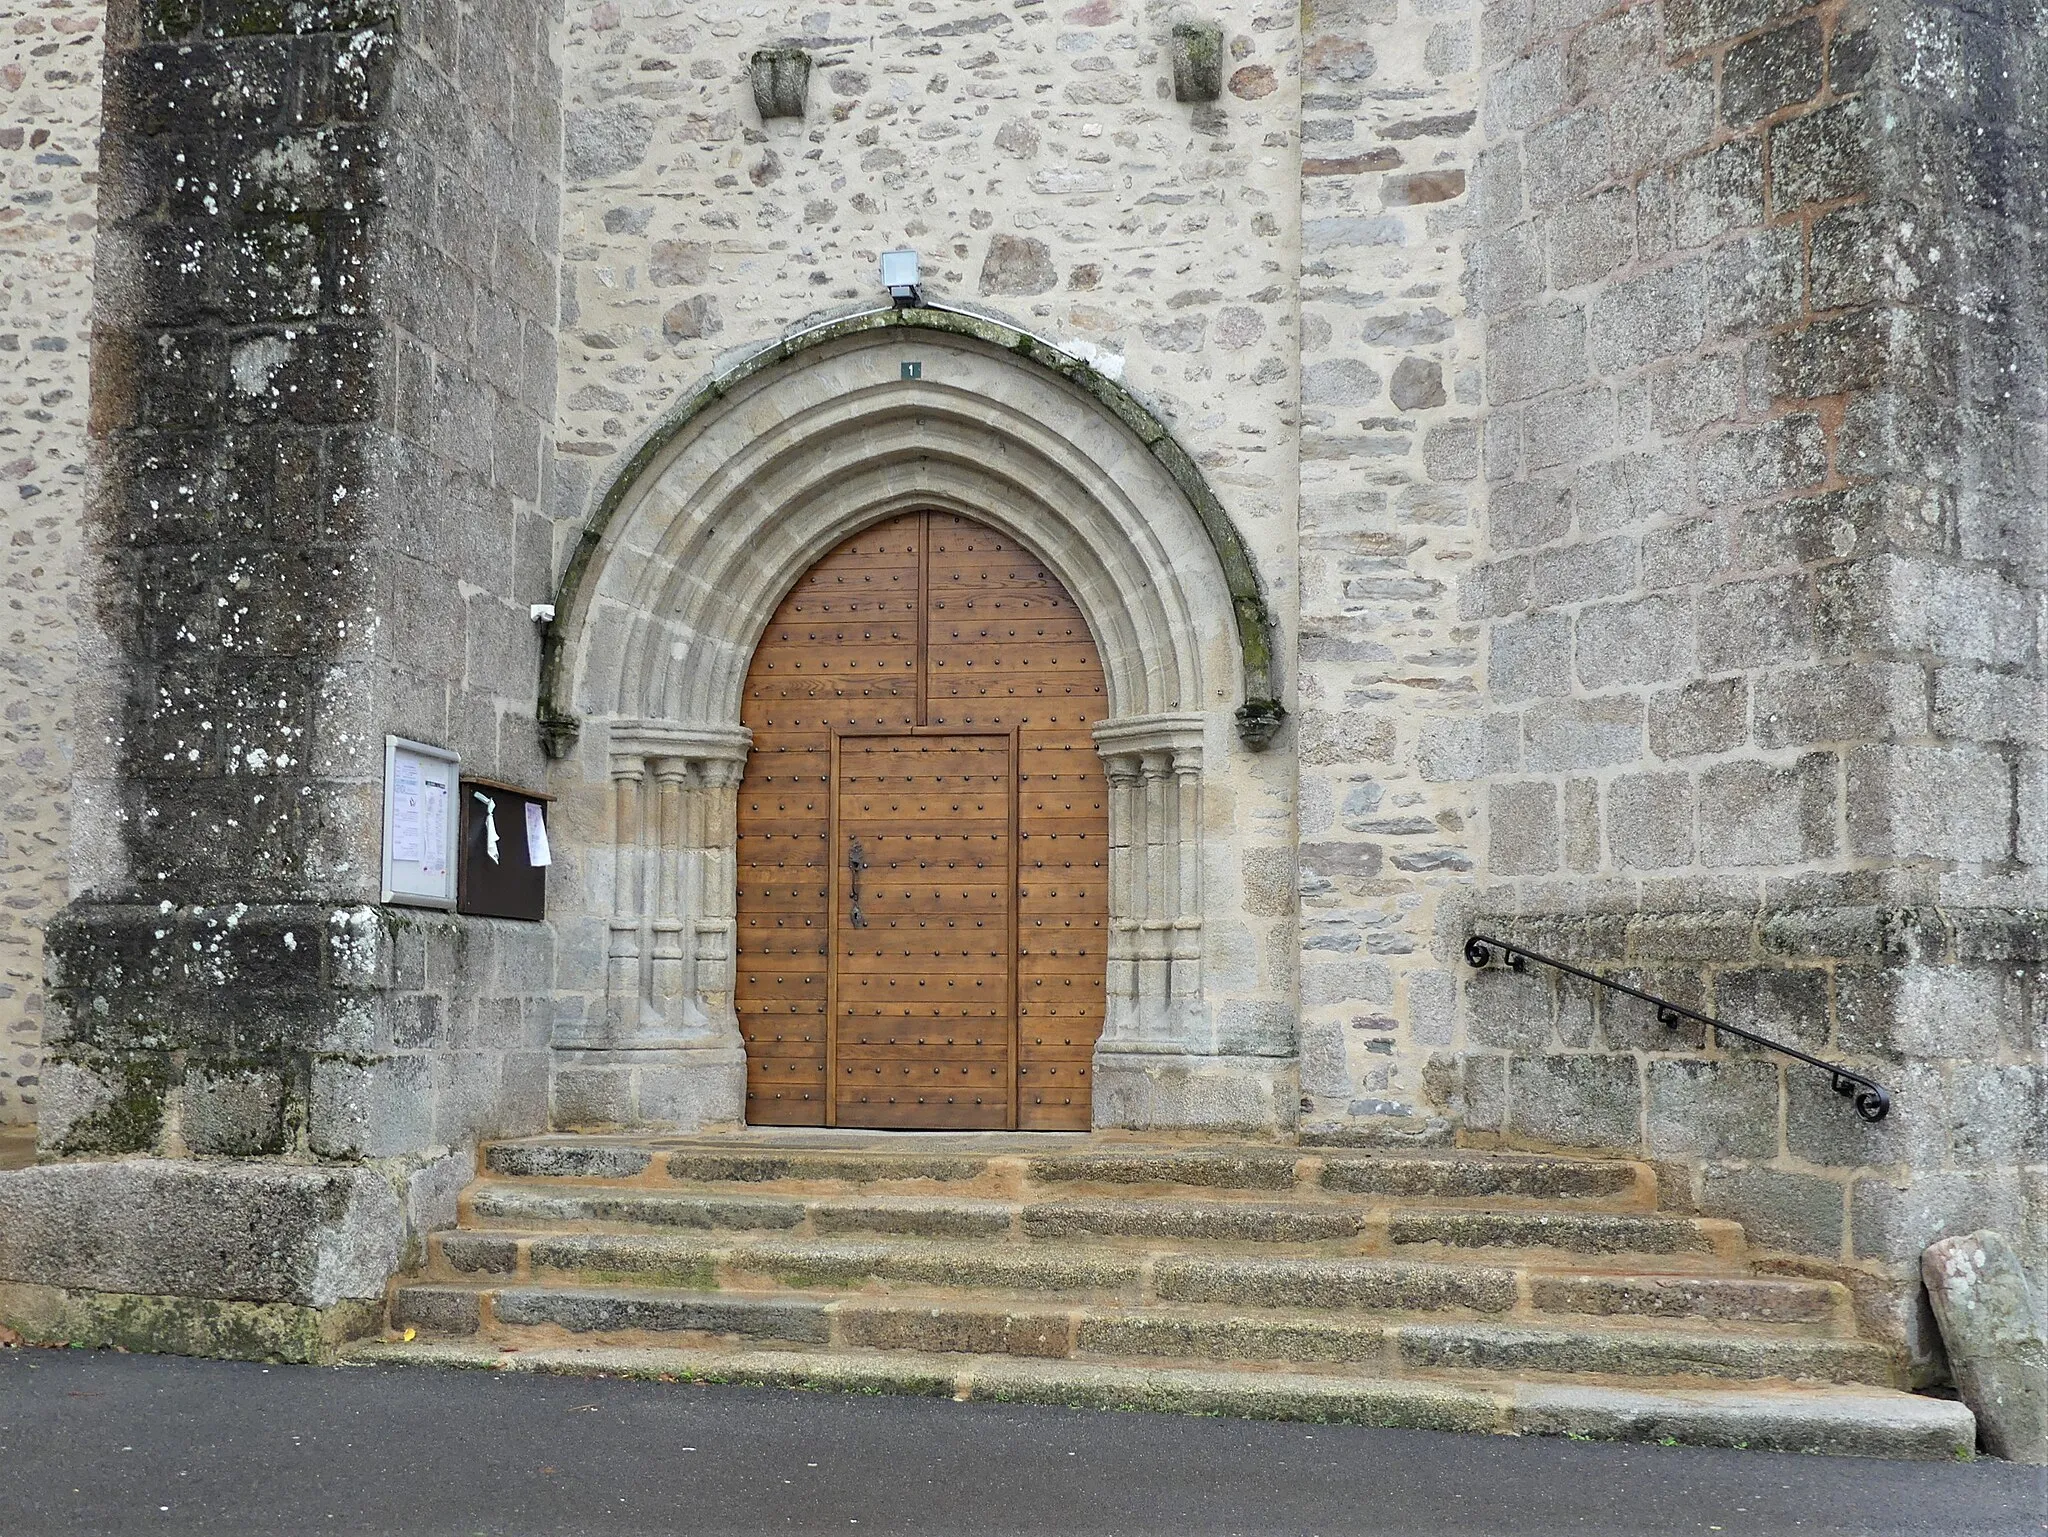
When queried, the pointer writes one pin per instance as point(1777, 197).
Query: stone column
point(718, 876)
point(1159, 1063)
point(1155, 888)
point(624, 992)
point(1155, 930)
point(1122, 985)
point(669, 978)
point(670, 1056)
point(1186, 978)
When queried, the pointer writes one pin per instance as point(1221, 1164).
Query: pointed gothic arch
point(746, 486)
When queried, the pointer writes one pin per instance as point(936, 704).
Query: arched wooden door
point(923, 840)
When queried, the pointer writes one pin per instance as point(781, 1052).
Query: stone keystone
point(1996, 1349)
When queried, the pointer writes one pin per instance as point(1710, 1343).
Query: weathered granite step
point(947, 1269)
point(1012, 1168)
point(1843, 1421)
point(1183, 1220)
point(622, 1314)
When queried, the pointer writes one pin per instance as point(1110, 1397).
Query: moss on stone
point(185, 1326)
point(139, 1087)
point(1197, 49)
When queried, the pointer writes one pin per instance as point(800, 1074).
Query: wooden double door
point(923, 841)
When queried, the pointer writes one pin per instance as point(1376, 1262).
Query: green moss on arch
point(1259, 715)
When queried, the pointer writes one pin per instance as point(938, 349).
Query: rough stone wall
point(324, 246)
point(1390, 515)
point(1762, 691)
point(1032, 152)
point(466, 283)
point(49, 155)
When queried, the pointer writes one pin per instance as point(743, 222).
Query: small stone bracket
point(782, 78)
point(1259, 721)
point(1196, 49)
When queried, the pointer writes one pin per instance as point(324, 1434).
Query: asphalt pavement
point(97, 1442)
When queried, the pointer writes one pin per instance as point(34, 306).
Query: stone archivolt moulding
point(1033, 369)
point(676, 584)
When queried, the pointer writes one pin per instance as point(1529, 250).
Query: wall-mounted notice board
point(420, 811)
point(505, 854)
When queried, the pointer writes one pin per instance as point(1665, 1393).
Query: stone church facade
point(1562, 472)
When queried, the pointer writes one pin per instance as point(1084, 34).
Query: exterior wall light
point(899, 276)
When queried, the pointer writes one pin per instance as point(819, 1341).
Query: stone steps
point(1839, 1421)
point(1332, 1226)
point(640, 1315)
point(1495, 1292)
point(943, 1268)
point(1020, 1169)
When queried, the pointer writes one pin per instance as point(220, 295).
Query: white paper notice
point(434, 821)
point(490, 824)
point(537, 853)
point(405, 808)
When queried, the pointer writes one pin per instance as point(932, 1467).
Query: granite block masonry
point(1621, 421)
point(302, 409)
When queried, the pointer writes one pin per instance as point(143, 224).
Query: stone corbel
point(782, 80)
point(1195, 49)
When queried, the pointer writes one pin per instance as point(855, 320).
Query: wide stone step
point(1851, 1421)
point(1188, 1220)
point(619, 1314)
point(944, 1269)
point(1018, 1168)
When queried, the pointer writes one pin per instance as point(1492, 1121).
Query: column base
point(669, 1089)
point(1180, 1091)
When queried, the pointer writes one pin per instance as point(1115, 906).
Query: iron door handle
point(856, 861)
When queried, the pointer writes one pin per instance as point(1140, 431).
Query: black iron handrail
point(1873, 1103)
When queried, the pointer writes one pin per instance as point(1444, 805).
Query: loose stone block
point(1833, 704)
point(1643, 640)
point(1705, 717)
point(1997, 1350)
point(1582, 733)
point(1656, 315)
point(1649, 821)
point(1755, 624)
point(1929, 802)
point(1821, 157)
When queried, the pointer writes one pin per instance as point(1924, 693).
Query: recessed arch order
point(767, 466)
point(717, 515)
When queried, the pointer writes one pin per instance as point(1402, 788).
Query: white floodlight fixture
point(899, 276)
